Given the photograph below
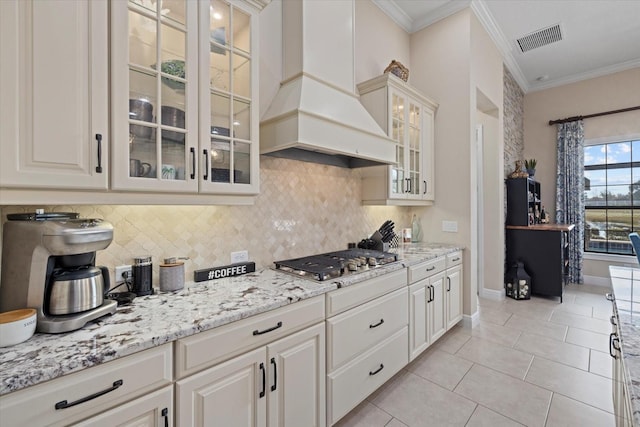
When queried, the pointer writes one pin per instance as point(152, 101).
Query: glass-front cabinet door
point(154, 94)
point(228, 112)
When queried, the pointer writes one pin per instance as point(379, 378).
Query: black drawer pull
point(431, 268)
point(99, 139)
point(377, 324)
point(612, 319)
point(377, 370)
point(165, 414)
point(257, 332)
point(609, 297)
point(612, 336)
point(63, 403)
point(455, 259)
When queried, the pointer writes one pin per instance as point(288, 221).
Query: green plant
point(530, 164)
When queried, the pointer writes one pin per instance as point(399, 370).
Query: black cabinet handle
point(425, 186)
point(165, 414)
point(431, 268)
point(206, 164)
point(612, 346)
point(612, 319)
point(63, 403)
point(448, 284)
point(99, 139)
point(377, 370)
point(455, 259)
point(409, 182)
point(257, 332)
point(431, 293)
point(275, 374)
point(264, 380)
point(609, 297)
point(193, 162)
point(377, 324)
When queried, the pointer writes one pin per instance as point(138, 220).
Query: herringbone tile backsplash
point(302, 209)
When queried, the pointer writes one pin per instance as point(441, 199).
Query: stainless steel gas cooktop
point(336, 264)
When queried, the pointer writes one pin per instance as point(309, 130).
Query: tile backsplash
point(303, 208)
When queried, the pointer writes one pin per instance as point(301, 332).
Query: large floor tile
point(395, 423)
point(491, 315)
point(532, 310)
point(569, 412)
point(419, 402)
point(569, 354)
point(577, 384)
point(365, 415)
point(582, 310)
point(453, 340)
point(523, 402)
point(581, 322)
point(483, 417)
point(496, 333)
point(601, 364)
point(589, 339)
point(603, 313)
point(538, 327)
point(495, 356)
point(440, 367)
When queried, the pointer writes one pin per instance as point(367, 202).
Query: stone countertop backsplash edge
point(157, 319)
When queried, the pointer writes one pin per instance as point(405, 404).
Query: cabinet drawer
point(454, 259)
point(140, 374)
point(349, 385)
point(350, 333)
point(425, 269)
point(209, 348)
point(346, 298)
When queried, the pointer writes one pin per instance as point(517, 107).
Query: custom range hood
point(316, 116)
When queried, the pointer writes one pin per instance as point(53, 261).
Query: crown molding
point(397, 15)
point(436, 15)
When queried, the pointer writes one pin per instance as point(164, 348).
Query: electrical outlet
point(240, 256)
point(120, 269)
point(450, 226)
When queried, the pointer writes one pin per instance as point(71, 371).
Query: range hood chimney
point(316, 115)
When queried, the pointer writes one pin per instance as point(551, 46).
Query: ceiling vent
point(540, 38)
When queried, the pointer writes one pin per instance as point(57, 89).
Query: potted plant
point(530, 165)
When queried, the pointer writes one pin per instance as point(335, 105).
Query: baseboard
point(470, 322)
point(492, 294)
point(597, 281)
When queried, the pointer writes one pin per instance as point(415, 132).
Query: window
point(612, 196)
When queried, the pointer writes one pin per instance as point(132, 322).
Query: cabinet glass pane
point(219, 15)
point(142, 96)
point(173, 51)
point(219, 76)
point(173, 10)
point(142, 156)
point(242, 163)
point(414, 115)
point(220, 160)
point(241, 76)
point(142, 40)
point(172, 155)
point(415, 184)
point(400, 155)
point(241, 31)
point(173, 104)
point(414, 138)
point(397, 181)
point(220, 114)
point(241, 119)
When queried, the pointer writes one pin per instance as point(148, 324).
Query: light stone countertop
point(164, 317)
point(625, 282)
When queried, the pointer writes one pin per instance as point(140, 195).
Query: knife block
point(380, 245)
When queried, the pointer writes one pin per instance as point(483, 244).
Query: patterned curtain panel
point(570, 191)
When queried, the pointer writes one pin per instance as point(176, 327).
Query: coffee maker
point(48, 263)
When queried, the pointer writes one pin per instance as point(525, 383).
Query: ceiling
point(599, 37)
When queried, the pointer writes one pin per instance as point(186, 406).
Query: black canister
point(142, 272)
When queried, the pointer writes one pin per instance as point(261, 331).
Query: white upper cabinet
point(184, 84)
point(408, 118)
point(54, 94)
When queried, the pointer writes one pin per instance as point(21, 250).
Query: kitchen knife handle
point(264, 380)
point(193, 162)
point(99, 139)
point(206, 164)
point(377, 370)
point(275, 374)
point(257, 332)
point(63, 404)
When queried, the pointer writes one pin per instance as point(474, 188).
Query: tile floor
point(533, 363)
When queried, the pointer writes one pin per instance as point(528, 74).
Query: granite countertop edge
point(154, 320)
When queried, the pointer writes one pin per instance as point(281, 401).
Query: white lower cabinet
point(280, 384)
point(153, 410)
point(435, 300)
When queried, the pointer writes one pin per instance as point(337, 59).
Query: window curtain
point(570, 191)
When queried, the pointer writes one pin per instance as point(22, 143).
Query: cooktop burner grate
point(335, 264)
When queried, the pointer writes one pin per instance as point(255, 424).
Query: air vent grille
point(540, 38)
